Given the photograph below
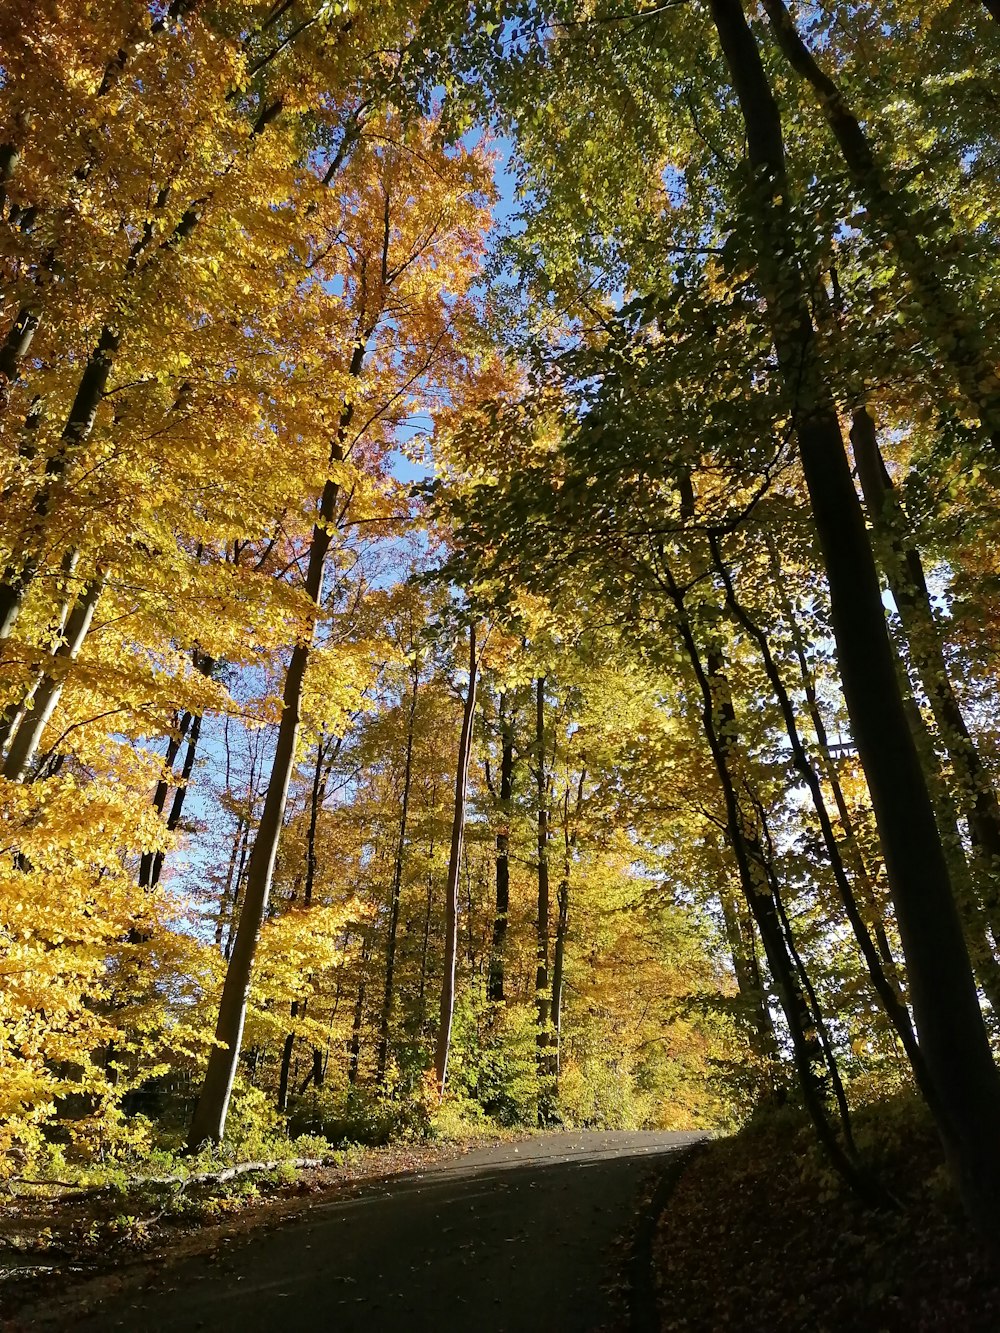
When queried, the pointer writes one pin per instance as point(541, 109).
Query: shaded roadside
point(759, 1234)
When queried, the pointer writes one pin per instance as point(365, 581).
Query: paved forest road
point(511, 1239)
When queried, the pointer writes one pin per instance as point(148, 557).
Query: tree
point(454, 867)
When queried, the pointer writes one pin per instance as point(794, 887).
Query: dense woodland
point(499, 586)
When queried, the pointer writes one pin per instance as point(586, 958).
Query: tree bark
point(904, 571)
point(761, 891)
point(889, 997)
point(495, 978)
point(354, 1045)
point(395, 892)
point(316, 798)
point(860, 870)
point(945, 1003)
point(750, 984)
point(229, 887)
point(14, 349)
point(425, 945)
point(454, 867)
point(19, 574)
point(543, 997)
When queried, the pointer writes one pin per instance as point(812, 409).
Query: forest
point(499, 592)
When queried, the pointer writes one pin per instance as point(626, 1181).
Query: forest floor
point(758, 1234)
point(530, 1236)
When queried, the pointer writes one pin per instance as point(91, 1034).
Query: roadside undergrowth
point(73, 1227)
point(759, 1234)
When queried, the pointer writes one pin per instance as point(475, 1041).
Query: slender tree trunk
point(354, 1045)
point(237, 892)
point(422, 993)
point(884, 989)
point(14, 349)
point(904, 571)
point(209, 1119)
point(396, 890)
point(180, 796)
point(454, 869)
point(543, 995)
point(162, 790)
point(15, 710)
point(229, 887)
point(760, 889)
point(495, 979)
point(949, 1021)
point(750, 984)
point(321, 776)
point(38, 713)
point(808, 989)
point(562, 924)
point(859, 868)
point(288, 1046)
point(316, 797)
point(570, 836)
point(210, 1114)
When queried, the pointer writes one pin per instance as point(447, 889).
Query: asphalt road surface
point(510, 1239)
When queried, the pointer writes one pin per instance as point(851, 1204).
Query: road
point(508, 1239)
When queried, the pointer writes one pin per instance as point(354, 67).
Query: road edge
point(643, 1314)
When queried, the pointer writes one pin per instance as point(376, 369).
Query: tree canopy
point(498, 570)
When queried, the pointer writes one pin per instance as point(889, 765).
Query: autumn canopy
point(498, 583)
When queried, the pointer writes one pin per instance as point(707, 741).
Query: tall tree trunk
point(237, 892)
point(949, 1021)
point(750, 984)
point(543, 996)
point(425, 945)
point(180, 796)
point(454, 868)
point(761, 891)
point(229, 886)
point(495, 978)
point(862, 877)
point(151, 865)
point(960, 342)
point(904, 571)
point(889, 997)
point(316, 796)
point(570, 835)
point(354, 1045)
point(562, 918)
point(209, 1119)
point(14, 349)
point(16, 708)
point(395, 892)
